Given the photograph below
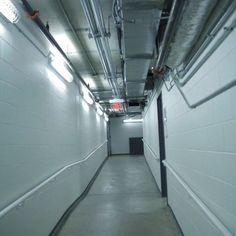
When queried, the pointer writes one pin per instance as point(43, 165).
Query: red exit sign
point(116, 106)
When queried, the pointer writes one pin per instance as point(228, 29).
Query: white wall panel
point(42, 129)
point(151, 139)
point(120, 134)
point(201, 145)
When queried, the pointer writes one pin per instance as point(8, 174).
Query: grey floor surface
point(123, 201)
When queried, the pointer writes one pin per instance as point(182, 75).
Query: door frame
point(109, 138)
point(161, 145)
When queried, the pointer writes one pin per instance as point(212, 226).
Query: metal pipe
point(124, 85)
point(207, 98)
point(175, 13)
point(76, 36)
point(95, 19)
point(109, 60)
point(98, 16)
point(120, 30)
point(210, 215)
point(107, 51)
point(51, 39)
point(98, 29)
point(105, 64)
point(20, 200)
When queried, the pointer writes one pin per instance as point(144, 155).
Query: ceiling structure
point(118, 47)
point(139, 42)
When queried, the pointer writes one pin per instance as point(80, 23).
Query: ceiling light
point(117, 106)
point(87, 96)
point(106, 117)
point(89, 80)
point(61, 67)
point(2, 29)
point(9, 11)
point(115, 100)
point(56, 81)
point(133, 120)
point(99, 109)
point(65, 43)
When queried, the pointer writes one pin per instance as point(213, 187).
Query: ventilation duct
point(190, 26)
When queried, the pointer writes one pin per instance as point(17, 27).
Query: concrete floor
point(123, 201)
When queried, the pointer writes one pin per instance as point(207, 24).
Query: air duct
point(189, 28)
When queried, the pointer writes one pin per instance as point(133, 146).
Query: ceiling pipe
point(94, 16)
point(51, 39)
point(101, 25)
point(61, 5)
point(175, 13)
point(118, 23)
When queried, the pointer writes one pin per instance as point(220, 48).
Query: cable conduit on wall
point(212, 217)
point(153, 153)
point(25, 196)
point(52, 40)
point(208, 97)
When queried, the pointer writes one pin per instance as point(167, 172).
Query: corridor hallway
point(124, 200)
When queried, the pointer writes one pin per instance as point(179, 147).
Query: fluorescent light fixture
point(56, 81)
point(2, 29)
point(65, 43)
point(116, 100)
point(99, 109)
point(133, 120)
point(87, 96)
point(61, 67)
point(89, 80)
point(9, 11)
point(85, 105)
point(106, 117)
